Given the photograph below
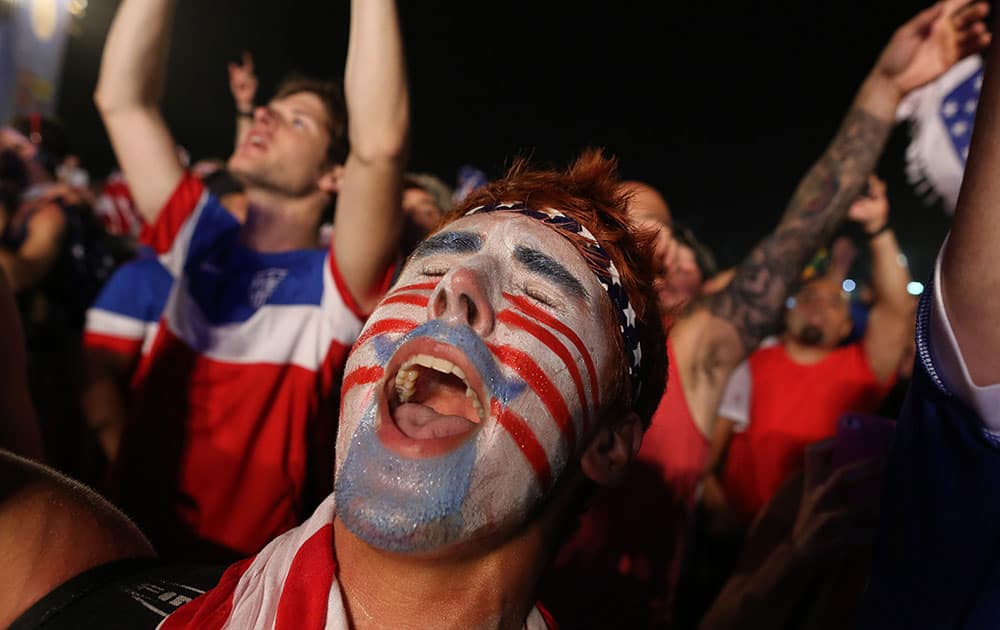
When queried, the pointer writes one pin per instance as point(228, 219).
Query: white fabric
point(736, 398)
point(951, 364)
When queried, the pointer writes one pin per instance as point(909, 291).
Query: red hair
point(589, 192)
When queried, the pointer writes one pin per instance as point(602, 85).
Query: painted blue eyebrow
point(449, 243)
point(544, 265)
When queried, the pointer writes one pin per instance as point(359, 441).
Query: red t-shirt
point(620, 567)
point(793, 405)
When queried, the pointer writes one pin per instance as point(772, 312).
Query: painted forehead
point(532, 247)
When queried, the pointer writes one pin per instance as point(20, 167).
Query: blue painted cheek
point(398, 504)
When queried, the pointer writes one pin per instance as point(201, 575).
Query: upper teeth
point(256, 140)
point(406, 378)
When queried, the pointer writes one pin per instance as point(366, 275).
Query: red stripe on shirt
point(210, 610)
point(525, 439)
point(552, 343)
point(531, 310)
point(124, 346)
point(307, 587)
point(551, 397)
point(161, 233)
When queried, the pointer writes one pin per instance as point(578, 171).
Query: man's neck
point(492, 589)
point(276, 223)
point(802, 353)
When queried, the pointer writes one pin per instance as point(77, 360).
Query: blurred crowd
point(203, 338)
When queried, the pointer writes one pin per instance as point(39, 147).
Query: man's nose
point(263, 115)
point(463, 297)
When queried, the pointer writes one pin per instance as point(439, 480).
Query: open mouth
point(434, 400)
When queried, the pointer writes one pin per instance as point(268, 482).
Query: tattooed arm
point(721, 330)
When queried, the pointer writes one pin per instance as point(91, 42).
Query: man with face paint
point(510, 369)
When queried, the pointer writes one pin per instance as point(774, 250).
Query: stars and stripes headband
point(603, 269)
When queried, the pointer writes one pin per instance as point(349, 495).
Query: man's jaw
point(432, 400)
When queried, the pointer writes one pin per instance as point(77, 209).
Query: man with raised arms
point(512, 367)
point(230, 440)
point(631, 546)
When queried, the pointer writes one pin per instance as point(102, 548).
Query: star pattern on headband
point(603, 268)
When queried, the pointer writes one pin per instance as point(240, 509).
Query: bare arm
point(103, 397)
point(28, 265)
point(243, 86)
point(970, 266)
point(891, 319)
point(369, 212)
point(733, 321)
point(128, 95)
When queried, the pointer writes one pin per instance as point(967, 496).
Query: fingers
point(247, 61)
point(974, 40)
point(969, 15)
point(923, 21)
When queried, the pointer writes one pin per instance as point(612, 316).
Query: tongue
point(420, 422)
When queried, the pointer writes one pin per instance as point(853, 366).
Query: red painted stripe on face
point(361, 376)
point(406, 298)
point(419, 286)
point(552, 343)
point(525, 439)
point(526, 307)
point(551, 397)
point(383, 326)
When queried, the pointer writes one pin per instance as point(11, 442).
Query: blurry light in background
point(78, 8)
point(848, 285)
point(915, 288)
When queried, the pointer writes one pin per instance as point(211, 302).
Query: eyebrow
point(544, 265)
point(449, 243)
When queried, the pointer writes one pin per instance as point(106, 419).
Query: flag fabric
point(941, 115)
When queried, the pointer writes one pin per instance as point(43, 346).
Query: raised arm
point(128, 95)
point(732, 322)
point(970, 264)
point(243, 87)
point(369, 208)
point(891, 320)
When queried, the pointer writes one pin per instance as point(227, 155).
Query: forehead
point(823, 288)
point(307, 103)
point(503, 232)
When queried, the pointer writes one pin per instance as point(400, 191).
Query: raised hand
point(243, 83)
point(871, 209)
point(932, 42)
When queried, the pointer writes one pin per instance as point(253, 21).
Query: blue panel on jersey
point(138, 289)
point(230, 282)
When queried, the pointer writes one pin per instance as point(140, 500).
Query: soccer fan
point(803, 384)
point(935, 565)
point(510, 370)
point(230, 442)
point(630, 545)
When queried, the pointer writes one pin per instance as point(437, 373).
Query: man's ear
point(331, 180)
point(609, 454)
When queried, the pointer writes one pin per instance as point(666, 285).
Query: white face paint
point(473, 384)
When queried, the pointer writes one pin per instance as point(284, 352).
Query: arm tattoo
point(754, 299)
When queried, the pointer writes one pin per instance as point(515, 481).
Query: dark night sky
point(722, 106)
